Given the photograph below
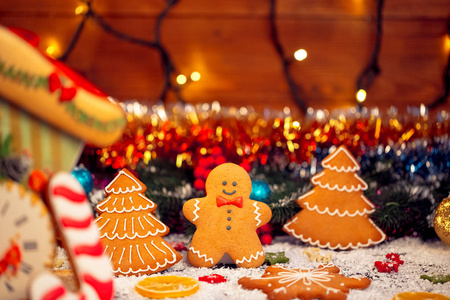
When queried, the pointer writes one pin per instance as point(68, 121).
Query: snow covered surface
point(430, 258)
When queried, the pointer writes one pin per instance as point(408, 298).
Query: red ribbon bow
point(224, 201)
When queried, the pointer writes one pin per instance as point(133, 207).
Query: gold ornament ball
point(442, 221)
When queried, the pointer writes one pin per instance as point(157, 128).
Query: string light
point(181, 79)
point(361, 95)
point(300, 54)
point(52, 50)
point(80, 9)
point(195, 76)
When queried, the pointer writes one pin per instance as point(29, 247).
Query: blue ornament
point(84, 177)
point(260, 191)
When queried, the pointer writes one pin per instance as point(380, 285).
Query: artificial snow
point(430, 258)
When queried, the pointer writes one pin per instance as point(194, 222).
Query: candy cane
point(73, 216)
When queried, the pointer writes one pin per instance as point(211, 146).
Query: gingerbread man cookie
point(226, 220)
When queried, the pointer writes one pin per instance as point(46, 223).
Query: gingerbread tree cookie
point(130, 233)
point(325, 282)
point(335, 214)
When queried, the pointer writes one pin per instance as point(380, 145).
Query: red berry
point(266, 228)
point(266, 239)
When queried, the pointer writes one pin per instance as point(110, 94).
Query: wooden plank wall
point(228, 42)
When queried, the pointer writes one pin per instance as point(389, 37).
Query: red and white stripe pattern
point(73, 215)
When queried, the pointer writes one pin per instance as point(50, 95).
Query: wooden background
point(228, 42)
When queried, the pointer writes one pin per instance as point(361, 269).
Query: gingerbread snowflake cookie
point(226, 220)
point(325, 282)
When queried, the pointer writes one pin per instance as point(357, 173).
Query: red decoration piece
point(53, 82)
point(37, 181)
point(11, 259)
point(179, 246)
point(67, 94)
point(266, 239)
point(391, 265)
point(213, 278)
point(238, 201)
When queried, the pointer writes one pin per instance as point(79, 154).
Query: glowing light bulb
point(195, 76)
point(361, 95)
point(80, 9)
point(300, 54)
point(181, 79)
point(447, 42)
point(51, 50)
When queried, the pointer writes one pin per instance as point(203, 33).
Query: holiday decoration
point(228, 213)
point(442, 221)
point(12, 166)
point(169, 286)
point(273, 258)
point(131, 234)
point(335, 213)
point(213, 278)
point(260, 191)
point(265, 234)
point(391, 265)
point(27, 243)
point(84, 177)
point(325, 282)
point(37, 181)
point(73, 217)
point(45, 105)
point(436, 278)
point(420, 296)
point(314, 255)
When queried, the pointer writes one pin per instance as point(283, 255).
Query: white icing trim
point(131, 248)
point(259, 253)
point(326, 165)
point(153, 243)
point(204, 256)
point(132, 225)
point(336, 211)
point(145, 245)
point(104, 224)
point(281, 289)
point(306, 195)
point(123, 251)
point(140, 223)
point(109, 188)
point(196, 210)
point(255, 204)
point(149, 268)
point(139, 254)
point(336, 186)
point(338, 246)
point(139, 208)
point(115, 227)
point(126, 236)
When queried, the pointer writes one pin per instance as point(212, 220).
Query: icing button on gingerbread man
point(226, 220)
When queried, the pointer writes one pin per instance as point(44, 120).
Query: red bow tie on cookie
point(224, 201)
